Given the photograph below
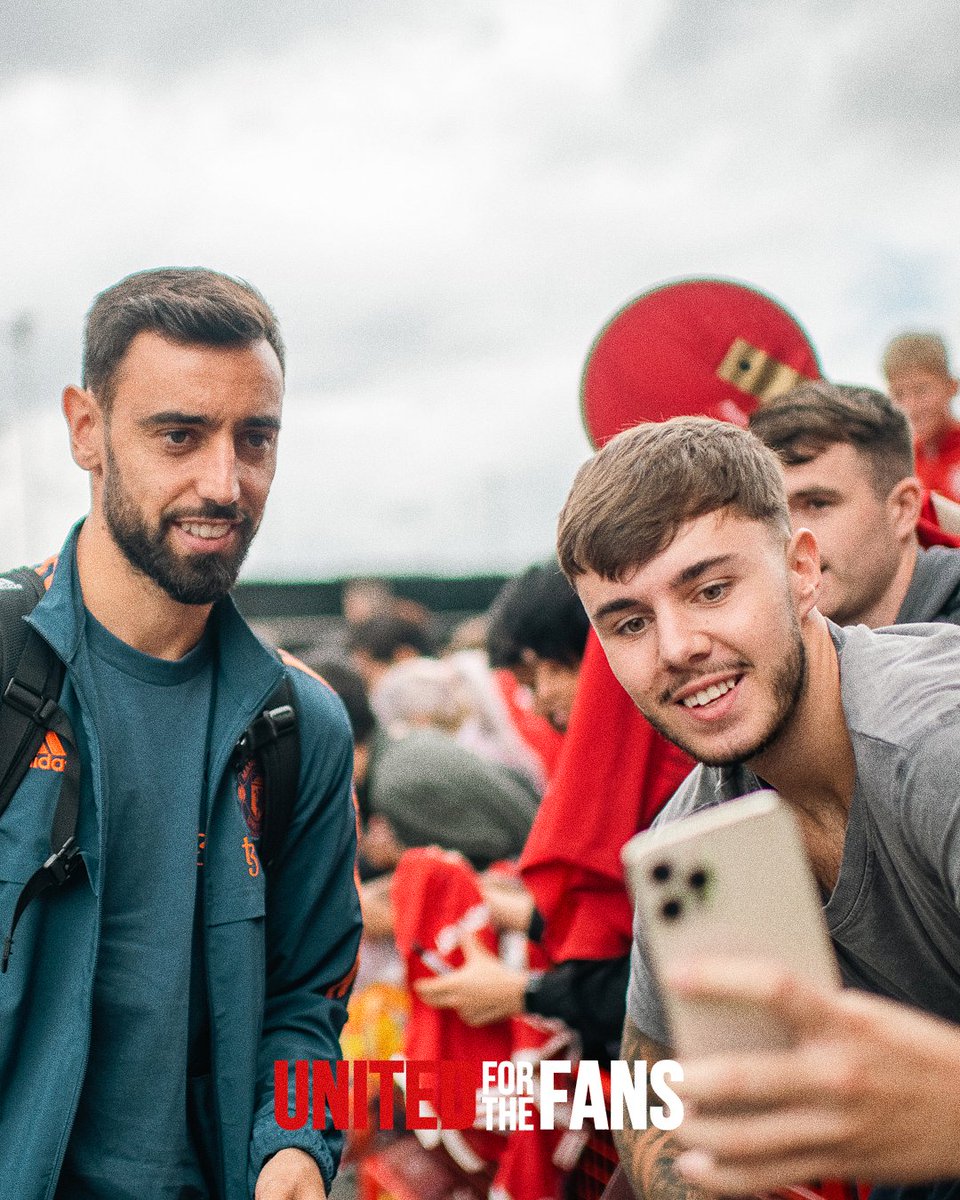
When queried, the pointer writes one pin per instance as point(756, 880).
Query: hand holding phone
point(730, 880)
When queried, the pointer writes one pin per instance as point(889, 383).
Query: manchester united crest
point(250, 796)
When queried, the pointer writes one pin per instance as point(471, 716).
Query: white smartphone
point(732, 880)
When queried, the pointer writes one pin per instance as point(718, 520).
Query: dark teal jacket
point(278, 972)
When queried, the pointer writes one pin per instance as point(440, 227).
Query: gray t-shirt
point(894, 914)
point(934, 591)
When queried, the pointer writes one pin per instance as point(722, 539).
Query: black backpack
point(31, 678)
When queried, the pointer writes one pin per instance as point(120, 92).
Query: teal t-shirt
point(134, 1131)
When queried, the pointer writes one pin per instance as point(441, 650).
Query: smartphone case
point(731, 880)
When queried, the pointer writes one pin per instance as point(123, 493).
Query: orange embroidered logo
point(52, 756)
point(253, 863)
point(250, 795)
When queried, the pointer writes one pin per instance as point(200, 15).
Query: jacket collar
point(247, 671)
point(934, 589)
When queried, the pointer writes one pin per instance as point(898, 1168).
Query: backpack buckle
point(63, 865)
point(280, 719)
point(270, 726)
point(26, 701)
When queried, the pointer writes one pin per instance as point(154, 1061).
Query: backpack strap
point(29, 709)
point(20, 591)
point(29, 673)
point(273, 739)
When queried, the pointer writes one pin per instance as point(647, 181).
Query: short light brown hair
point(191, 305)
point(916, 352)
point(630, 500)
point(801, 424)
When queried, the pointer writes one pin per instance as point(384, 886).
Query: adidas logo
point(10, 585)
point(52, 756)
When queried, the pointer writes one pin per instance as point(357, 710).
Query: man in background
point(538, 630)
point(379, 642)
point(919, 379)
point(848, 467)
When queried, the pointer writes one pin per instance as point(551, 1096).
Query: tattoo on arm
point(648, 1155)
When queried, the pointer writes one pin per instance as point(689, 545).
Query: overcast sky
point(444, 201)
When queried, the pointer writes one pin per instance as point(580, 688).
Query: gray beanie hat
point(434, 791)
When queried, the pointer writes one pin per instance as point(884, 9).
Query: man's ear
point(86, 423)
point(903, 506)
point(803, 563)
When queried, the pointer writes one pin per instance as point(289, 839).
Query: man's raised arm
point(648, 1155)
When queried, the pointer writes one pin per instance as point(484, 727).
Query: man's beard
point(190, 578)
point(788, 685)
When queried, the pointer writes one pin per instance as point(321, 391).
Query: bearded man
point(144, 1002)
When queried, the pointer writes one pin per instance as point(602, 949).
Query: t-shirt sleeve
point(931, 803)
point(644, 1003)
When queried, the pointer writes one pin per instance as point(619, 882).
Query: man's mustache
point(209, 511)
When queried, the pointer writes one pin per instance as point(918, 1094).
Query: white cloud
point(433, 194)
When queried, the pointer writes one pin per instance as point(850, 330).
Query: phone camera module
point(661, 872)
point(671, 910)
point(698, 879)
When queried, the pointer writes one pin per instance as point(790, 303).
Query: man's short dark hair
point(630, 500)
point(804, 422)
point(191, 305)
point(537, 611)
point(381, 636)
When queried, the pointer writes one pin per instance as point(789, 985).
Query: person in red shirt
point(920, 382)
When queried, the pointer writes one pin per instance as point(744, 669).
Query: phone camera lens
point(661, 872)
point(670, 910)
point(698, 879)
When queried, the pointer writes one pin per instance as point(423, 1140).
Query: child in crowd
point(919, 380)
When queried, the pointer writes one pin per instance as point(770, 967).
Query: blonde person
point(920, 380)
